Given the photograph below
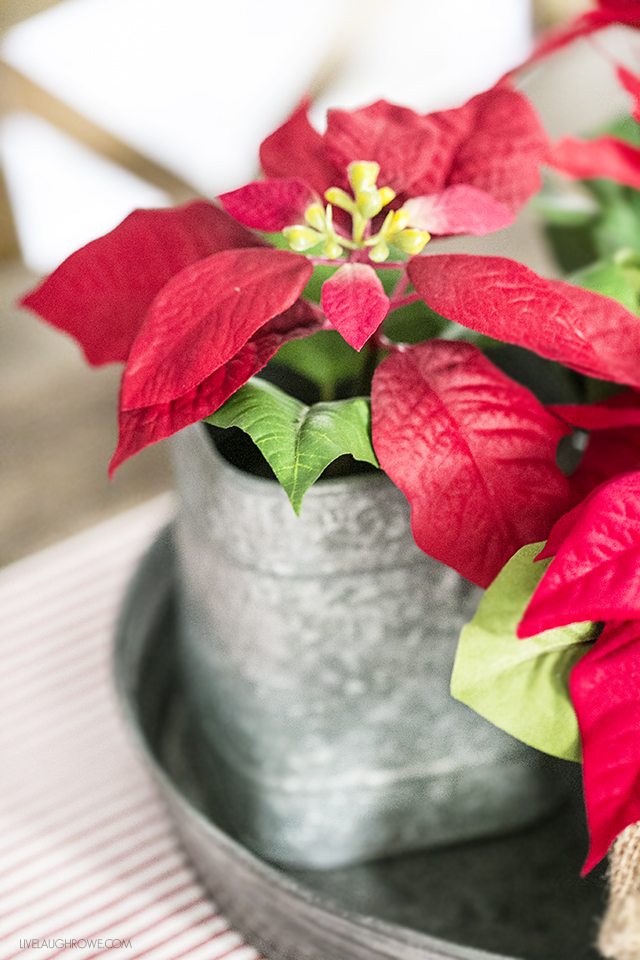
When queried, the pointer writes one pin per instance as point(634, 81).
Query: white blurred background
point(196, 85)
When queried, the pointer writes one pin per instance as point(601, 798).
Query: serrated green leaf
point(521, 686)
point(298, 441)
point(612, 279)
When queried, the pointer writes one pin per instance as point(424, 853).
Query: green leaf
point(388, 278)
point(320, 273)
point(325, 358)
point(612, 278)
point(572, 246)
point(414, 323)
point(277, 240)
point(298, 441)
point(618, 227)
point(624, 128)
point(520, 686)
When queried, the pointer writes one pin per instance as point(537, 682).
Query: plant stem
point(403, 301)
point(384, 343)
point(400, 289)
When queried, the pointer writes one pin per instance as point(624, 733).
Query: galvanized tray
point(514, 898)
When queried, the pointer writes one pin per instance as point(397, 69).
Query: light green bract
point(521, 686)
point(298, 441)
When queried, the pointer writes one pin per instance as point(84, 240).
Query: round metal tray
point(514, 898)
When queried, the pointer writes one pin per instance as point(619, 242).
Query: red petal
point(612, 331)
point(631, 83)
point(204, 316)
point(495, 142)
point(451, 128)
point(605, 690)
point(459, 209)
point(582, 26)
point(354, 302)
point(622, 410)
point(269, 204)
point(603, 157)
point(560, 531)
point(473, 452)
point(101, 293)
point(397, 138)
point(594, 575)
point(139, 428)
point(295, 149)
point(625, 11)
point(504, 299)
point(505, 149)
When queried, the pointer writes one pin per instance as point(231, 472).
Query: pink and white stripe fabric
point(86, 849)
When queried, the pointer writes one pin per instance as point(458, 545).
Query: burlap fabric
point(619, 937)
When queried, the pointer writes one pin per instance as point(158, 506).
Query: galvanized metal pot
point(317, 653)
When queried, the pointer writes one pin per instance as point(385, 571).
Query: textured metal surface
point(518, 896)
point(317, 654)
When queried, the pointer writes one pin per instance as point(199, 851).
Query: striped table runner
point(88, 863)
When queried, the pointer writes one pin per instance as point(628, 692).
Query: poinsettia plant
point(328, 266)
point(335, 242)
point(559, 627)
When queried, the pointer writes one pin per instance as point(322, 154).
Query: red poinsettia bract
point(605, 691)
point(631, 82)
point(594, 577)
point(190, 300)
point(596, 549)
point(607, 13)
point(503, 299)
point(450, 429)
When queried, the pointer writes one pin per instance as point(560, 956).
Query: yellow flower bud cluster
point(367, 202)
point(395, 230)
point(317, 229)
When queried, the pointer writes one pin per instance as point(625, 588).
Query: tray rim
point(185, 815)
